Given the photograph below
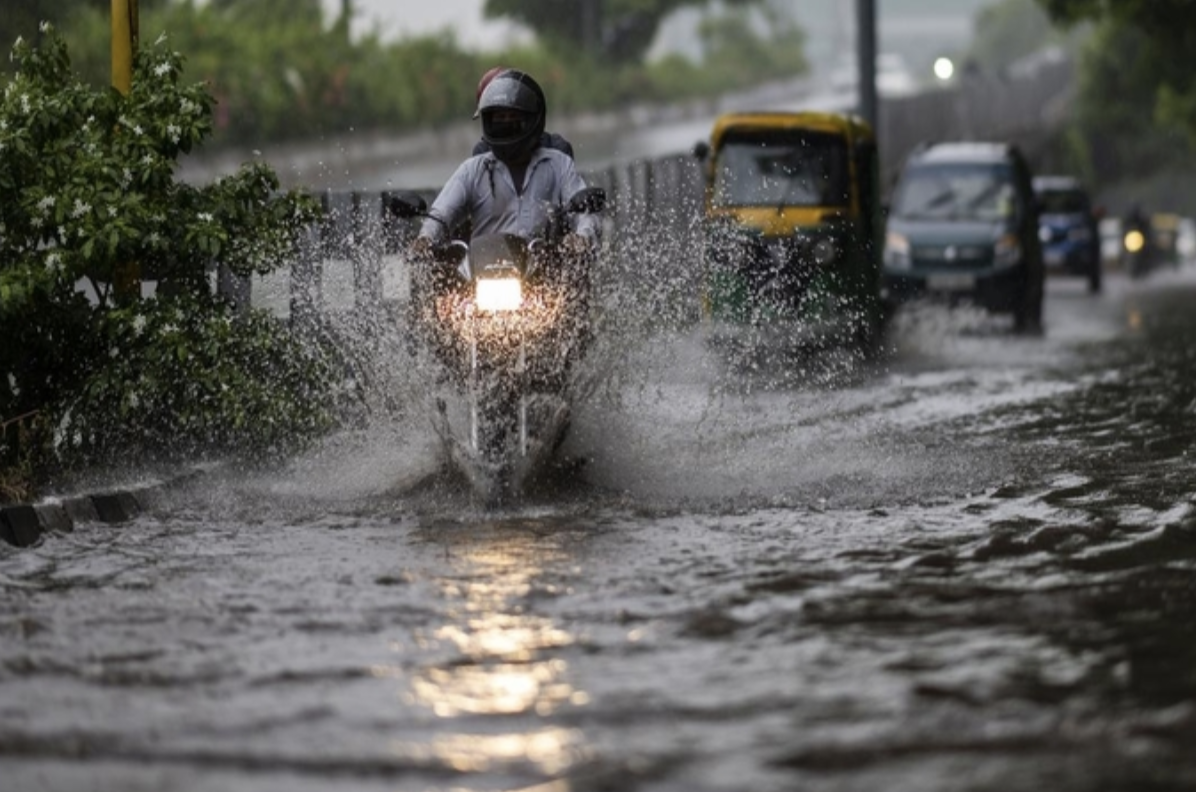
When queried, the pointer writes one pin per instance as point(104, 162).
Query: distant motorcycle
point(1137, 251)
point(508, 319)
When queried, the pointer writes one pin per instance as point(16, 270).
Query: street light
point(944, 69)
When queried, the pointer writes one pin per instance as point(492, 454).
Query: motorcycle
point(1137, 250)
point(508, 320)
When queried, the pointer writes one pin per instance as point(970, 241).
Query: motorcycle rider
point(512, 187)
point(1140, 260)
point(547, 139)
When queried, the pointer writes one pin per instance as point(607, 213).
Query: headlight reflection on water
point(550, 751)
point(495, 659)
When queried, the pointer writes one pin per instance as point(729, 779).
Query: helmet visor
point(505, 124)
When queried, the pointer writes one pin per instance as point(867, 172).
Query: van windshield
point(955, 191)
point(781, 168)
point(1063, 201)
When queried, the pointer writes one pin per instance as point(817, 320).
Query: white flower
point(37, 221)
point(137, 130)
point(173, 132)
point(44, 27)
point(112, 211)
point(162, 69)
point(205, 216)
point(138, 323)
point(187, 107)
point(161, 38)
point(46, 204)
point(54, 262)
point(147, 159)
point(80, 208)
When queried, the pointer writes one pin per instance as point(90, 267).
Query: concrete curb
point(23, 525)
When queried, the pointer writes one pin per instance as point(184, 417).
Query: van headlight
point(897, 251)
point(1007, 251)
point(499, 294)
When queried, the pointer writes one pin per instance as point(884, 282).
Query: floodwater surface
point(969, 564)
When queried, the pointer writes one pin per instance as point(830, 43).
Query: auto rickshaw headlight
point(897, 251)
point(825, 251)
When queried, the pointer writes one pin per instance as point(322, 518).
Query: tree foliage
point(1012, 29)
point(1168, 27)
point(618, 30)
point(86, 188)
point(278, 70)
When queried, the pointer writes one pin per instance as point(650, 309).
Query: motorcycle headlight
point(1134, 241)
point(1007, 251)
point(897, 251)
point(499, 294)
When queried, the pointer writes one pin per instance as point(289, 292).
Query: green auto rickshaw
point(792, 226)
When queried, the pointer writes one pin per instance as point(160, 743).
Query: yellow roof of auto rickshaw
point(818, 120)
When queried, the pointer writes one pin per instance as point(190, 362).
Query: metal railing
point(352, 260)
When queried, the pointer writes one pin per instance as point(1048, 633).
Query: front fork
point(497, 396)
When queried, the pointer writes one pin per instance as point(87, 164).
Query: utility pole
point(126, 278)
point(866, 60)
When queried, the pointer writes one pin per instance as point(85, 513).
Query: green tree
point(86, 186)
point(619, 30)
point(1011, 29)
point(1170, 28)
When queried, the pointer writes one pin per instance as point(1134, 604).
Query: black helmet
point(512, 90)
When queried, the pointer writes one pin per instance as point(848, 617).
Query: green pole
point(124, 43)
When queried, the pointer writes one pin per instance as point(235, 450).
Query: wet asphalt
point(968, 563)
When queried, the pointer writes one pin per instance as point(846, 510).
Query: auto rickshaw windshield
point(781, 168)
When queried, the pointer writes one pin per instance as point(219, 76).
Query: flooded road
point(970, 565)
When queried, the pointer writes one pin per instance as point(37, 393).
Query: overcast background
point(918, 29)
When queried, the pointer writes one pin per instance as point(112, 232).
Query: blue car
point(1067, 228)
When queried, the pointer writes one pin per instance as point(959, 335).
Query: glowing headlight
point(897, 251)
point(1135, 241)
point(499, 294)
point(1008, 250)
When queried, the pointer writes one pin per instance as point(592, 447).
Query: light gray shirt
point(482, 189)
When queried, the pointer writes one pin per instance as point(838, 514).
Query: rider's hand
point(420, 249)
point(576, 245)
